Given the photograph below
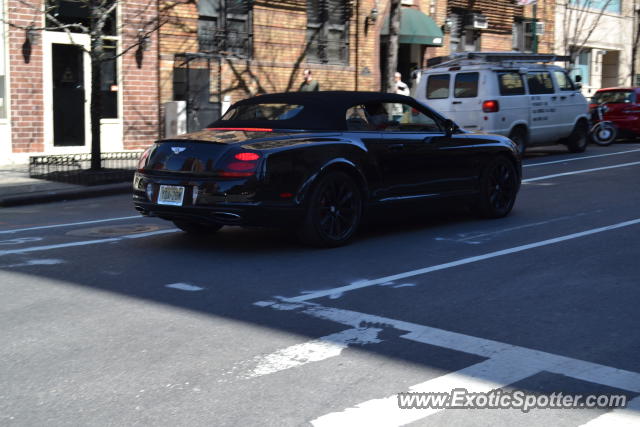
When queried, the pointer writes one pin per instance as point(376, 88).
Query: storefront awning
point(416, 28)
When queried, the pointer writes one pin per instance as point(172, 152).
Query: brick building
point(45, 82)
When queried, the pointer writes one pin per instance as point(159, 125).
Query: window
point(438, 86)
point(269, 111)
point(540, 82)
point(78, 12)
point(224, 26)
point(523, 35)
point(109, 82)
point(614, 97)
point(357, 119)
point(466, 85)
point(582, 67)
point(392, 117)
point(462, 39)
point(612, 6)
point(510, 83)
point(564, 81)
point(328, 31)
point(3, 97)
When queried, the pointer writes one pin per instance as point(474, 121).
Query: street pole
point(535, 28)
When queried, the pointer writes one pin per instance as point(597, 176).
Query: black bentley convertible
point(318, 161)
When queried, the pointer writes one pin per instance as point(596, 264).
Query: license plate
point(171, 195)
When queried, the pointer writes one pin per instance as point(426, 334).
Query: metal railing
point(76, 168)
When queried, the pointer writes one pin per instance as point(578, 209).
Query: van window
point(540, 82)
point(466, 85)
point(510, 83)
point(564, 82)
point(438, 86)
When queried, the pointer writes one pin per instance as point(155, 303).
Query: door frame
point(48, 39)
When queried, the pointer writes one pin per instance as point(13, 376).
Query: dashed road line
point(184, 287)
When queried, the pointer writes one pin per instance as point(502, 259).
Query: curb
point(60, 195)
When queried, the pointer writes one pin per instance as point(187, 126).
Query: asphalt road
point(108, 318)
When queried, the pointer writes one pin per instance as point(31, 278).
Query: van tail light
point(240, 165)
point(142, 162)
point(490, 106)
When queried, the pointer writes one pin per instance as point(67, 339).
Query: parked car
point(319, 161)
point(517, 95)
point(623, 108)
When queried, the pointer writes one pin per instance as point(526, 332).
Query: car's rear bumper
point(228, 202)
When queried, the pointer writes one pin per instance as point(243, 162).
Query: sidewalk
point(16, 188)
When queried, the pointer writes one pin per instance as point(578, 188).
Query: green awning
point(415, 28)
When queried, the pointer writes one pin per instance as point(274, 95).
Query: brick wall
point(27, 112)
point(140, 76)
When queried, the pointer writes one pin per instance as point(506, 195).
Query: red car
point(623, 108)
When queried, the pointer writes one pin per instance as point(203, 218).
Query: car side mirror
point(449, 127)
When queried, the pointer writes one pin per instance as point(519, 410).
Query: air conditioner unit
point(476, 21)
point(175, 118)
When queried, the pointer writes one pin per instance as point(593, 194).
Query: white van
point(512, 94)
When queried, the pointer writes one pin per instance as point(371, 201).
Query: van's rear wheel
point(579, 138)
point(519, 137)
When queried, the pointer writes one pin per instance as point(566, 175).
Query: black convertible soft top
point(324, 110)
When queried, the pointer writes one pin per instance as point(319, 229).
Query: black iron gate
point(192, 83)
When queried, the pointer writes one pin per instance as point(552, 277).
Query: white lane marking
point(35, 262)
point(71, 224)
point(312, 351)
point(481, 377)
point(627, 417)
point(539, 178)
point(463, 261)
point(573, 159)
point(184, 287)
point(85, 243)
point(20, 240)
point(503, 367)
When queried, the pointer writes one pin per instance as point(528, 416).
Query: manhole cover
point(114, 230)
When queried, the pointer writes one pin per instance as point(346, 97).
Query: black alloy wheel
point(197, 228)
point(498, 188)
point(334, 211)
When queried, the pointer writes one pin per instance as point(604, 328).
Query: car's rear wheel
point(579, 138)
point(519, 137)
point(334, 210)
point(498, 188)
point(196, 228)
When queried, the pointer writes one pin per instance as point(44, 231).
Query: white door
point(466, 103)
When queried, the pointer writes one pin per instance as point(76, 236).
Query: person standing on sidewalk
point(308, 85)
point(397, 111)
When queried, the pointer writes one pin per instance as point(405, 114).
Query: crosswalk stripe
point(482, 377)
point(627, 417)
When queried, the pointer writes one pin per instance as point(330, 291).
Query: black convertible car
point(318, 161)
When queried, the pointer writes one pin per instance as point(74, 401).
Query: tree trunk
point(96, 54)
point(392, 46)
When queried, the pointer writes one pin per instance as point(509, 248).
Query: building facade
point(46, 82)
point(599, 34)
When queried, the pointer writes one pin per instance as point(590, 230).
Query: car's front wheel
point(498, 188)
point(196, 228)
point(334, 210)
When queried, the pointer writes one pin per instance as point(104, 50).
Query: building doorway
point(67, 79)
point(610, 65)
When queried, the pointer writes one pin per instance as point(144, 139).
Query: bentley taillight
point(242, 164)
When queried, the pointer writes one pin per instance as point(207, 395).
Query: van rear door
point(436, 93)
